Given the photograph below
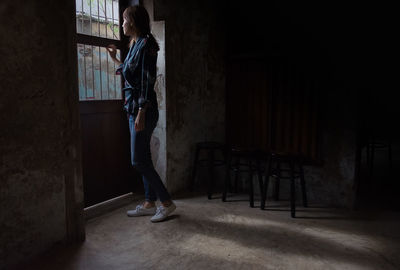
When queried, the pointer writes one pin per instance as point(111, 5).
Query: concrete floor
point(210, 234)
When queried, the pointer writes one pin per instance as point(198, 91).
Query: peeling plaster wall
point(159, 139)
point(41, 194)
point(195, 81)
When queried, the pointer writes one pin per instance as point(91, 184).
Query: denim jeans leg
point(149, 193)
point(141, 158)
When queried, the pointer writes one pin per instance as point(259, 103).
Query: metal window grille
point(97, 25)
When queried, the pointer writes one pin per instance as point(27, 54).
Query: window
point(97, 25)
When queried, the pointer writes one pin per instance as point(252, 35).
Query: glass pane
point(118, 82)
point(81, 72)
point(98, 18)
point(111, 79)
point(96, 74)
point(89, 71)
point(95, 9)
point(104, 72)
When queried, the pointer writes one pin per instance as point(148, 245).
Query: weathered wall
point(40, 184)
point(159, 138)
point(327, 52)
point(200, 33)
point(195, 81)
point(333, 182)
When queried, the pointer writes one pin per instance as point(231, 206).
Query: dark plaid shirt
point(139, 71)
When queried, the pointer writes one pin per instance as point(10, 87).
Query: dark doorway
point(107, 172)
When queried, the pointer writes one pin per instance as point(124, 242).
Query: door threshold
point(109, 205)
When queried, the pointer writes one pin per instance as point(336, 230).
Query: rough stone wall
point(195, 81)
point(41, 194)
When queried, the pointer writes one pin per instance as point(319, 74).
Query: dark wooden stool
point(283, 166)
point(246, 161)
point(374, 143)
point(210, 162)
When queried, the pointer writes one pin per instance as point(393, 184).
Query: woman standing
point(139, 71)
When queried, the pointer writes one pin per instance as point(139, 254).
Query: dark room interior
point(276, 137)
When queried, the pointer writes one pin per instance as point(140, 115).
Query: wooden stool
point(374, 143)
point(248, 161)
point(210, 162)
point(276, 170)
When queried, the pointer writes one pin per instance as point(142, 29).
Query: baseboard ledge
point(109, 205)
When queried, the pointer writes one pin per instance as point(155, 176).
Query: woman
point(139, 71)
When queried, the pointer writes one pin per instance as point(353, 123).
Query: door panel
point(107, 172)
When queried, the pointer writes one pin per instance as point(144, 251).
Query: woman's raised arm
point(112, 50)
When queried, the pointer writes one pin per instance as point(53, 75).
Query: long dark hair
point(140, 18)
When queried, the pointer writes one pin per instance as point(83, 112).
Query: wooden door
point(107, 172)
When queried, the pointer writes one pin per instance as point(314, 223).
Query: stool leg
point(268, 173)
point(227, 176)
point(237, 165)
point(226, 156)
point(196, 160)
point(251, 191)
point(278, 180)
point(211, 173)
point(292, 191)
point(371, 161)
point(260, 180)
point(303, 185)
point(390, 155)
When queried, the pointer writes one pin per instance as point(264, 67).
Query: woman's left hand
point(140, 120)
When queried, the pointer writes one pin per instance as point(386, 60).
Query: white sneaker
point(141, 211)
point(163, 212)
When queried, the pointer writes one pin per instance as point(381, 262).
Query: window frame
point(121, 44)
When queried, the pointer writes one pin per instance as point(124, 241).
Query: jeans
point(141, 157)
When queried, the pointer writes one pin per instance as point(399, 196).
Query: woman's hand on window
point(112, 50)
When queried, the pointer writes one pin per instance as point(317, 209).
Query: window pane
point(96, 74)
point(104, 72)
point(98, 18)
point(89, 71)
point(81, 72)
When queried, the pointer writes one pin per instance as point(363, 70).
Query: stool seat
point(210, 145)
point(284, 155)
